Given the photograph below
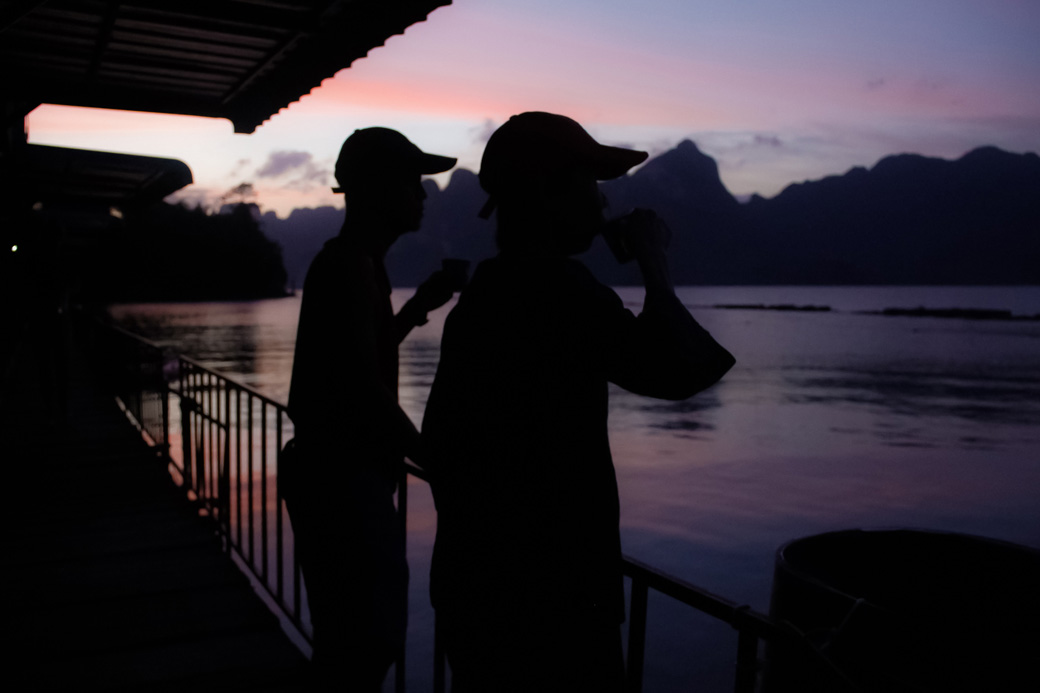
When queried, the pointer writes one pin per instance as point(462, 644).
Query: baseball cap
point(536, 142)
point(371, 151)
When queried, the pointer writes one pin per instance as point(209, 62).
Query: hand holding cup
point(637, 234)
point(441, 285)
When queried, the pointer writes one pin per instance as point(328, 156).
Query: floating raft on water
point(762, 306)
point(960, 313)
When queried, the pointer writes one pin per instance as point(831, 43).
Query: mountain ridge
point(909, 219)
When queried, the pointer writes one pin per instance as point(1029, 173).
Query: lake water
point(830, 420)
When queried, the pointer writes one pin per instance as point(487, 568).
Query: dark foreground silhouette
point(340, 471)
point(526, 575)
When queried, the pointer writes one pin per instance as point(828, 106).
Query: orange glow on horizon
point(79, 120)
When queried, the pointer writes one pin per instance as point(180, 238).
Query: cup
point(615, 233)
point(621, 232)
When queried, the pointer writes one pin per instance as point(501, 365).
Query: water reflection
point(828, 421)
point(923, 394)
point(683, 418)
point(251, 341)
point(230, 349)
point(418, 358)
point(925, 409)
point(418, 363)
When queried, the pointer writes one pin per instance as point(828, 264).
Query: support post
point(636, 637)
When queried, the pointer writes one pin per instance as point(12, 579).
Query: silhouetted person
point(351, 435)
point(526, 576)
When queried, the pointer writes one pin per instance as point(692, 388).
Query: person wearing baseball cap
point(373, 152)
point(339, 473)
point(535, 146)
point(526, 575)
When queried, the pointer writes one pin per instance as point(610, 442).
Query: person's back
point(346, 325)
point(518, 414)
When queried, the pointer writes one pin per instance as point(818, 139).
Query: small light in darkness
point(14, 248)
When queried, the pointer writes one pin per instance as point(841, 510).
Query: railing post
point(164, 399)
point(439, 659)
point(210, 441)
point(250, 510)
point(201, 429)
point(747, 662)
point(263, 491)
point(224, 471)
point(141, 377)
point(278, 521)
point(636, 636)
point(186, 449)
point(402, 515)
point(238, 468)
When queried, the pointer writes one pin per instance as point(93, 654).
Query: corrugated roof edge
point(319, 59)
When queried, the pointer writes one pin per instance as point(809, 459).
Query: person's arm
point(386, 414)
point(430, 295)
point(669, 355)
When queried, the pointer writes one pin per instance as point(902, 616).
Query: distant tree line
point(175, 253)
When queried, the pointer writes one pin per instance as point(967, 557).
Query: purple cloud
point(767, 141)
point(296, 170)
point(281, 162)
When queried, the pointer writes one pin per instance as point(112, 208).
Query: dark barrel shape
point(905, 610)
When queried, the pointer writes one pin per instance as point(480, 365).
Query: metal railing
point(230, 438)
point(751, 626)
point(135, 374)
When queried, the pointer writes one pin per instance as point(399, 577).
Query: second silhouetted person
point(526, 576)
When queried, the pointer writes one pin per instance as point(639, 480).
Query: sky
point(777, 91)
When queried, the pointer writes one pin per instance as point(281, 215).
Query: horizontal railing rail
point(750, 625)
point(230, 440)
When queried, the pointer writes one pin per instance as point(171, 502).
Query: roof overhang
point(243, 60)
point(64, 177)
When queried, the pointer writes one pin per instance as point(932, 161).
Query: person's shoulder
point(339, 264)
point(342, 254)
point(486, 267)
point(490, 278)
point(327, 255)
point(580, 278)
point(555, 277)
point(576, 270)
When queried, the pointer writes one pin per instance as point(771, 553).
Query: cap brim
point(614, 162)
point(434, 163)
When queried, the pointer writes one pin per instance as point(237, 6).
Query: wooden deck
point(112, 580)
